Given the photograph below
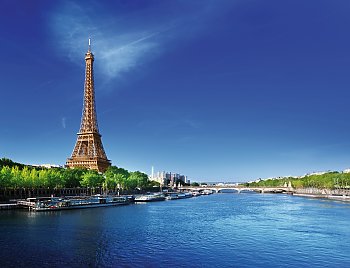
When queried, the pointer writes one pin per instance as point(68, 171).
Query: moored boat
point(174, 196)
point(149, 198)
point(196, 193)
point(188, 195)
point(207, 192)
point(55, 203)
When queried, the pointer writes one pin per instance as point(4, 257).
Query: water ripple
point(223, 230)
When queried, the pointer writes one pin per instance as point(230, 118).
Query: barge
point(174, 195)
point(56, 203)
point(150, 198)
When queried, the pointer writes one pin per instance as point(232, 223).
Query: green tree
point(121, 181)
point(5, 177)
point(138, 179)
point(16, 178)
point(54, 179)
point(9, 163)
point(117, 177)
point(34, 177)
point(72, 177)
point(43, 178)
point(131, 183)
point(25, 176)
point(116, 170)
point(91, 179)
point(110, 183)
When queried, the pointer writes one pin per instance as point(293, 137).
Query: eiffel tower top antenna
point(88, 151)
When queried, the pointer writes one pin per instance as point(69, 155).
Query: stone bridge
point(237, 188)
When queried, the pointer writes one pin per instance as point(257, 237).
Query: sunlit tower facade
point(88, 151)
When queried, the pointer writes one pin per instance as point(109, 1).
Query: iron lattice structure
point(88, 151)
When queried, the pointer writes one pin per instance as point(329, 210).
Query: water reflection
point(219, 230)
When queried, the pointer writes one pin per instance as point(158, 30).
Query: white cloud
point(125, 56)
point(121, 41)
point(118, 50)
point(63, 122)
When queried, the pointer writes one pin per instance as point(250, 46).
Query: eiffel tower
point(88, 151)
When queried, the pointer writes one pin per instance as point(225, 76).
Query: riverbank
point(344, 198)
point(332, 194)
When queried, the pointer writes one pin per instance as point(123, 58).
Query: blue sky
point(216, 90)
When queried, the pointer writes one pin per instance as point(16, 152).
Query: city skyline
point(229, 90)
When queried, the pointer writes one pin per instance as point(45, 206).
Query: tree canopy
point(330, 180)
point(14, 175)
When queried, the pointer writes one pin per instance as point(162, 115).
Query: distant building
point(158, 177)
point(47, 165)
point(318, 173)
point(169, 178)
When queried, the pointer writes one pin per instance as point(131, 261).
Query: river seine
point(221, 230)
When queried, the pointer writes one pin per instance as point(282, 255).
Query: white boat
point(173, 196)
point(196, 193)
point(149, 198)
point(55, 203)
point(207, 192)
point(188, 195)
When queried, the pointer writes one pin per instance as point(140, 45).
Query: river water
point(221, 230)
